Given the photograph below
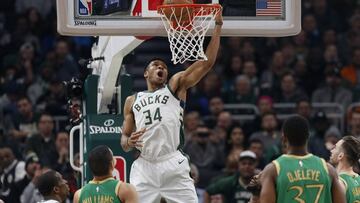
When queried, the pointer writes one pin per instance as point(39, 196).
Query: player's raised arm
point(193, 74)
point(337, 190)
point(130, 139)
point(267, 179)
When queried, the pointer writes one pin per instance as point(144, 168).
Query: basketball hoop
point(186, 25)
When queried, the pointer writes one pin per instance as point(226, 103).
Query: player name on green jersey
point(99, 199)
point(308, 174)
point(100, 192)
point(352, 183)
point(356, 191)
point(302, 179)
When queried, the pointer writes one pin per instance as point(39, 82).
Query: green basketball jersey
point(100, 192)
point(302, 179)
point(352, 183)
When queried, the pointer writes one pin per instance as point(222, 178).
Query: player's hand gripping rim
point(134, 139)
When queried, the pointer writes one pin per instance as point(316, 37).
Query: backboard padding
point(69, 23)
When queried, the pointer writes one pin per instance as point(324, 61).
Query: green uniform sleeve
point(220, 186)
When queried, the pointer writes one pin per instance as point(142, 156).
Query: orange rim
point(208, 8)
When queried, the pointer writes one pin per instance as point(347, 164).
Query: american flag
point(269, 7)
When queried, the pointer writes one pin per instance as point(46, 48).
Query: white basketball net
point(186, 37)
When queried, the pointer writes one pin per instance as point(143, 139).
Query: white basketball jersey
point(161, 113)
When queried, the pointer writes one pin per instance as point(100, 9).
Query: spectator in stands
point(54, 101)
point(30, 193)
point(232, 70)
point(224, 120)
point(300, 42)
point(210, 87)
point(223, 124)
point(329, 37)
point(289, 93)
point(233, 188)
point(53, 187)
point(8, 99)
point(191, 122)
point(303, 108)
point(26, 65)
point(264, 105)
point(22, 33)
point(5, 36)
point(349, 40)
point(354, 123)
point(250, 70)
point(8, 141)
point(216, 106)
point(23, 125)
point(234, 146)
point(331, 55)
point(207, 157)
point(35, 21)
point(270, 78)
point(310, 26)
point(317, 140)
point(60, 161)
point(269, 135)
point(325, 16)
point(248, 50)
point(43, 143)
point(12, 171)
point(243, 92)
point(65, 65)
point(289, 52)
point(333, 92)
point(351, 72)
point(233, 45)
point(32, 165)
point(257, 146)
point(41, 82)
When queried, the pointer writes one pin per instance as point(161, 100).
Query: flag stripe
point(268, 8)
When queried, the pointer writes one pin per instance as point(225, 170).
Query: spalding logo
point(109, 122)
point(94, 129)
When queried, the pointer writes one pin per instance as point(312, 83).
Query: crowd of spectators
point(34, 60)
point(319, 65)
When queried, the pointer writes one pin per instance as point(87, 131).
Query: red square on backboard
point(119, 172)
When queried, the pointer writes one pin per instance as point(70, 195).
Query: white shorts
point(168, 179)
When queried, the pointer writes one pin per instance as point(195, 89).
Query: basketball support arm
point(114, 49)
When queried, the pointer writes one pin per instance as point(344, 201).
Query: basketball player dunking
point(156, 114)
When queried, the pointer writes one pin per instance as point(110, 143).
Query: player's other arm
point(193, 74)
point(267, 179)
point(76, 196)
point(127, 193)
point(130, 139)
point(337, 190)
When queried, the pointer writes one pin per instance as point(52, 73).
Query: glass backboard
point(140, 18)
